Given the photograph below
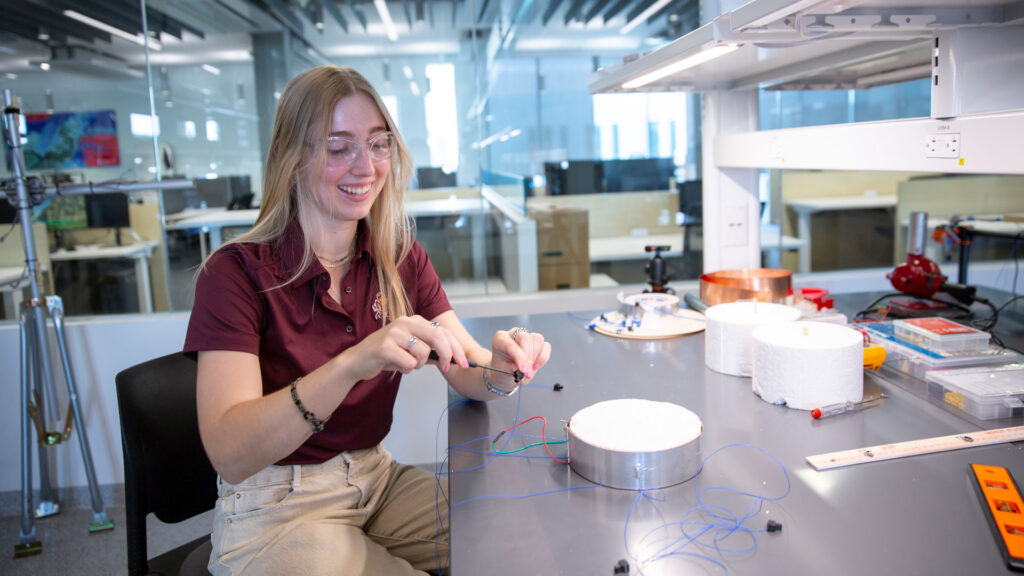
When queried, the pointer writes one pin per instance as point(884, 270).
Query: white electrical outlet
point(942, 146)
point(734, 226)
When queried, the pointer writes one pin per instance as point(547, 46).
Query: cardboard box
point(563, 276)
point(563, 234)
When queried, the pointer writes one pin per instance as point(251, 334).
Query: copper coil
point(762, 284)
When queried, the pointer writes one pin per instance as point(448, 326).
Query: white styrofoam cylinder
point(808, 365)
point(635, 425)
point(728, 347)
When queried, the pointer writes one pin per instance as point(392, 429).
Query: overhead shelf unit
point(808, 44)
point(973, 52)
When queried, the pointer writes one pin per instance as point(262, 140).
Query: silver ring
point(412, 342)
point(516, 331)
point(435, 323)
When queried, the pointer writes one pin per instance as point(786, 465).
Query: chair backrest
point(166, 469)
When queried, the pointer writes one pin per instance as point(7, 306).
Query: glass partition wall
point(491, 98)
point(524, 181)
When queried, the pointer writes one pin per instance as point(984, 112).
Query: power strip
point(915, 447)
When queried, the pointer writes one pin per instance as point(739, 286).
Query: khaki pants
point(357, 513)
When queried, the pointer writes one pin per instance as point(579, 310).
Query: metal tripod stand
point(37, 384)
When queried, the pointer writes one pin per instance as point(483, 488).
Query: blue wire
point(723, 523)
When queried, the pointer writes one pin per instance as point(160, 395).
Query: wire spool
point(635, 444)
point(761, 284)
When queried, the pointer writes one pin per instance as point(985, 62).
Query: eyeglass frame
point(361, 147)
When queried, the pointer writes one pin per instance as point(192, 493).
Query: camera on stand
point(656, 271)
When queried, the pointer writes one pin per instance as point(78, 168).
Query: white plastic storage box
point(983, 392)
point(913, 360)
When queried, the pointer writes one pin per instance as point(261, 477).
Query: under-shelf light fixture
point(680, 65)
point(136, 38)
point(385, 18)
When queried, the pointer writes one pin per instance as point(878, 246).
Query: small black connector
point(557, 387)
point(774, 526)
point(621, 567)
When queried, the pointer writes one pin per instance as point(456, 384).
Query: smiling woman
point(300, 328)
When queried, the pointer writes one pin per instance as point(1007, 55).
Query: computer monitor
point(213, 192)
point(638, 174)
point(108, 211)
point(574, 177)
point(691, 200)
point(239, 192)
point(434, 177)
point(8, 213)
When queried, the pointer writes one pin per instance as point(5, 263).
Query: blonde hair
point(302, 123)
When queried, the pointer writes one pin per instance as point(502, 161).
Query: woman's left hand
point(518, 349)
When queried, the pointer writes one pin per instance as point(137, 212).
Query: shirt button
point(348, 328)
point(348, 289)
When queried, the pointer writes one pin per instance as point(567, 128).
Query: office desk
point(213, 220)
point(913, 515)
point(805, 207)
point(632, 247)
point(140, 253)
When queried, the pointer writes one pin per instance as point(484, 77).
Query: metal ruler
point(915, 447)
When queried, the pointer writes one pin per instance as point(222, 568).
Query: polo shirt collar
point(292, 244)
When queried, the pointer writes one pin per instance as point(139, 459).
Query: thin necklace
point(337, 262)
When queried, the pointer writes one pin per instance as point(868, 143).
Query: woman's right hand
point(404, 345)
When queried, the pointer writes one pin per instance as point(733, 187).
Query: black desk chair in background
point(166, 470)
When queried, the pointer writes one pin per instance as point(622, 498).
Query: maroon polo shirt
point(299, 327)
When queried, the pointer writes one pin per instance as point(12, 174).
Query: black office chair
point(166, 470)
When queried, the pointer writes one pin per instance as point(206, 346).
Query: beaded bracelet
point(318, 425)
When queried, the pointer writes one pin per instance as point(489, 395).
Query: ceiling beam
point(595, 9)
point(332, 9)
point(360, 15)
point(279, 9)
point(408, 13)
point(550, 11)
point(619, 6)
point(573, 10)
point(483, 9)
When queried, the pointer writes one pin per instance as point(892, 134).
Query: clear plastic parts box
point(985, 392)
point(914, 360)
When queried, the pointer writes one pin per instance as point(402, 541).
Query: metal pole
point(27, 544)
point(99, 513)
point(43, 374)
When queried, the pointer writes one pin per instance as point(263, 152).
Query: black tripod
point(37, 384)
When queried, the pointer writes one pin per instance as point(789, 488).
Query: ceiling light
point(641, 17)
point(211, 69)
point(385, 17)
point(415, 88)
point(136, 38)
point(680, 65)
point(43, 35)
point(407, 71)
point(44, 65)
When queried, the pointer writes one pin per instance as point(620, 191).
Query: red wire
point(543, 435)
